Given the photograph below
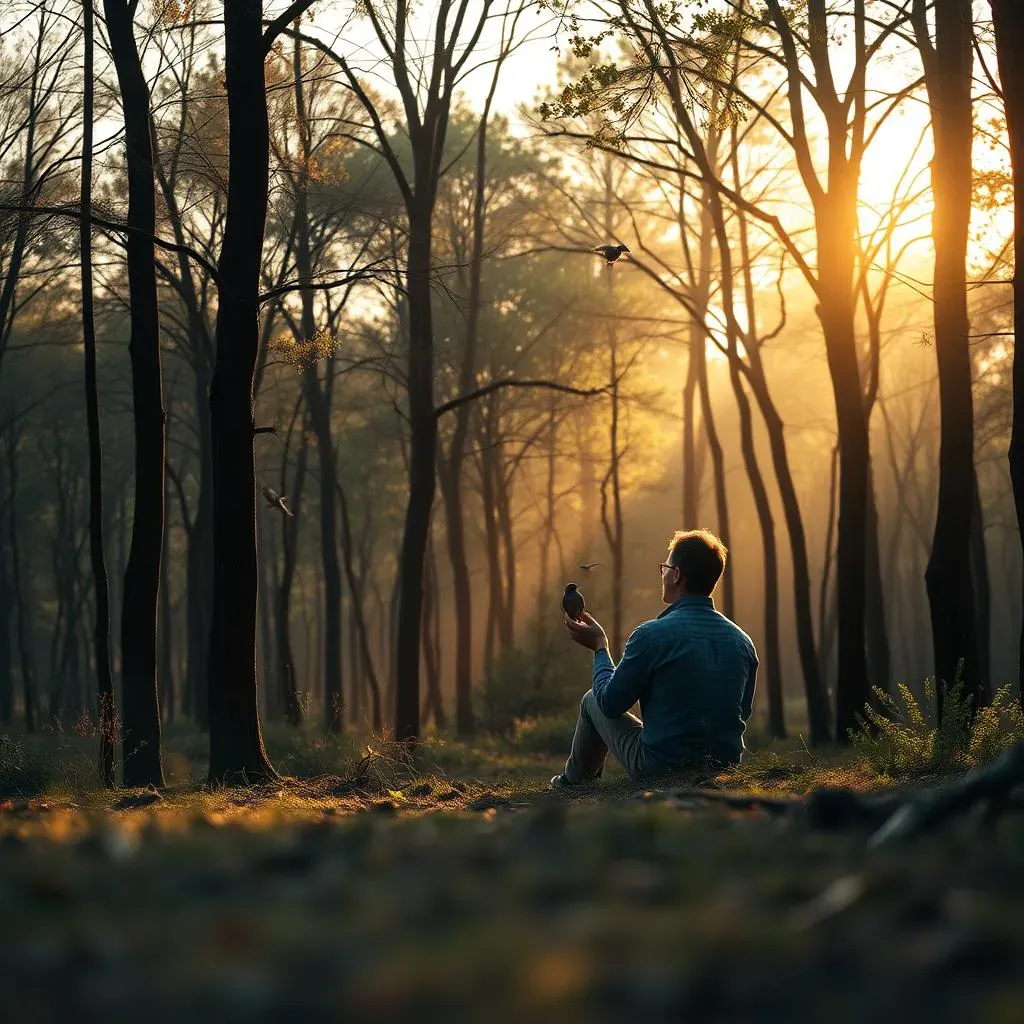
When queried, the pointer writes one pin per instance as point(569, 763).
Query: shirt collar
point(689, 600)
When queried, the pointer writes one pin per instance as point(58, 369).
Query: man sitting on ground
point(691, 669)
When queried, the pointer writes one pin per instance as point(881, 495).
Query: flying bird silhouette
point(572, 602)
point(590, 566)
point(278, 501)
point(610, 252)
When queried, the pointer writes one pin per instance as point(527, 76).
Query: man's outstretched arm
point(616, 687)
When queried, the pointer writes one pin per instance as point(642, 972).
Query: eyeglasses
point(665, 567)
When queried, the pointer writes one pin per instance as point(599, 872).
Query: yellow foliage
point(300, 355)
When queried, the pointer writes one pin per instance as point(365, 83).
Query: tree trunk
point(265, 597)
point(853, 690)
point(691, 478)
point(140, 702)
point(452, 470)
point(982, 592)
point(504, 502)
point(433, 705)
point(165, 668)
point(357, 681)
point(237, 753)
point(356, 597)
point(455, 530)
point(721, 493)
point(199, 558)
point(26, 657)
point(772, 648)
point(951, 594)
point(318, 401)
point(286, 684)
point(6, 666)
point(101, 635)
point(492, 541)
point(1008, 23)
point(877, 634)
point(422, 465)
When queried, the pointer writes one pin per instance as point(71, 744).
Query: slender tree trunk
point(721, 493)
point(355, 671)
point(101, 598)
point(140, 701)
point(26, 657)
point(877, 634)
point(982, 593)
point(237, 753)
point(199, 560)
point(772, 647)
point(691, 478)
point(165, 673)
point(548, 536)
point(433, 705)
point(452, 470)
point(286, 683)
point(492, 544)
point(422, 464)
point(455, 530)
point(6, 665)
point(264, 552)
point(318, 401)
point(1008, 22)
point(355, 590)
point(835, 232)
point(951, 594)
point(504, 511)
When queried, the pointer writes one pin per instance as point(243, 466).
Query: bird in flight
point(572, 602)
point(278, 501)
point(590, 566)
point(610, 252)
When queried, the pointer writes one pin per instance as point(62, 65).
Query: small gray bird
point(610, 252)
point(278, 501)
point(590, 566)
point(572, 602)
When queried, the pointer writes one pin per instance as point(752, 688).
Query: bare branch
point(513, 382)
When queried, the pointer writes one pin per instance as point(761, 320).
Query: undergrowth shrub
point(545, 734)
point(548, 680)
point(34, 765)
point(905, 736)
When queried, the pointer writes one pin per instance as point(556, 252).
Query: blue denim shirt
point(693, 672)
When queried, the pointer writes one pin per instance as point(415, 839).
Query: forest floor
point(456, 886)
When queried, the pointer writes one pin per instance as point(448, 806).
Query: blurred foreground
point(453, 886)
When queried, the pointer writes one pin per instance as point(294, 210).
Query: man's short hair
point(700, 556)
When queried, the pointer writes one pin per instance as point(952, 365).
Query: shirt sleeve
point(618, 687)
point(748, 691)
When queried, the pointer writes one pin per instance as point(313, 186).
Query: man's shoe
point(559, 781)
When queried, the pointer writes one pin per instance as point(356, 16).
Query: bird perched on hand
point(590, 566)
point(610, 252)
point(572, 602)
point(278, 501)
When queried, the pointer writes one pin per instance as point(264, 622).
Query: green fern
point(896, 737)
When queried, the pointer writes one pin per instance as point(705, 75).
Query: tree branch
point(514, 382)
point(75, 213)
point(279, 24)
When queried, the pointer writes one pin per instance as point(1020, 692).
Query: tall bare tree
point(101, 623)
point(948, 62)
point(1008, 22)
point(139, 698)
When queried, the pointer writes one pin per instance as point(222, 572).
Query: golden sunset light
point(511, 510)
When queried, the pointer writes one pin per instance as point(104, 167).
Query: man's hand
point(587, 632)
